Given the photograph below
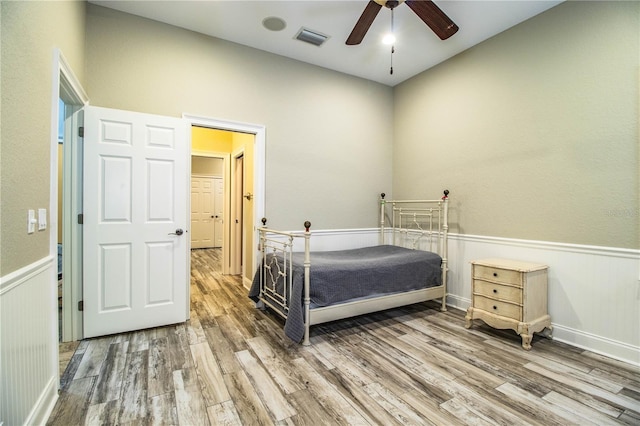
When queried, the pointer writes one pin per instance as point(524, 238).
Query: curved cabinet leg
point(524, 330)
point(468, 319)
point(526, 341)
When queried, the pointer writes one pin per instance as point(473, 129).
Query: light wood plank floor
point(230, 364)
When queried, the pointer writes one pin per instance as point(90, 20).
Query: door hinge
point(81, 305)
point(81, 132)
point(80, 219)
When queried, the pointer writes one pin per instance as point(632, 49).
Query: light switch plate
point(42, 219)
point(31, 221)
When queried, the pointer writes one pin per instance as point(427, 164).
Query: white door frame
point(67, 87)
point(237, 203)
point(259, 131)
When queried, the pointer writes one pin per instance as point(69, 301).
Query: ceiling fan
point(426, 10)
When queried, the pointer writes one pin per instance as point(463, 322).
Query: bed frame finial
point(307, 225)
point(382, 195)
point(264, 221)
point(446, 194)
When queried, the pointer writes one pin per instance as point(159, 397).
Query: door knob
point(178, 232)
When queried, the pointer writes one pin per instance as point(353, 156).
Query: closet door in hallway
point(207, 199)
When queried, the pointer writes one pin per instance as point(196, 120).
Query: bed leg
point(445, 248)
point(307, 285)
point(305, 341)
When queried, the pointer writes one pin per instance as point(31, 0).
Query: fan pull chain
point(393, 47)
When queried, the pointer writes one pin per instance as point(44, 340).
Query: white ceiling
point(417, 47)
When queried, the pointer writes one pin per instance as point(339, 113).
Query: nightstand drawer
point(496, 274)
point(498, 291)
point(497, 307)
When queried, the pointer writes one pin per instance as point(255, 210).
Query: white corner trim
point(14, 279)
point(551, 246)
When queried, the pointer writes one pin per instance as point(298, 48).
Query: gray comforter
point(340, 276)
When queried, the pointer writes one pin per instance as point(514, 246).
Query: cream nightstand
point(510, 294)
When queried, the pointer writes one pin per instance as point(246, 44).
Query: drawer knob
point(495, 307)
point(495, 274)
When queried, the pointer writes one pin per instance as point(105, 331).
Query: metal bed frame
point(416, 224)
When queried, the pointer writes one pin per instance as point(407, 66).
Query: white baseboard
point(246, 282)
point(44, 406)
point(597, 344)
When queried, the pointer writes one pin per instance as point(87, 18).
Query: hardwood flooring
point(230, 364)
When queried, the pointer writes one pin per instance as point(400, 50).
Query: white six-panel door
point(135, 208)
point(207, 213)
point(202, 212)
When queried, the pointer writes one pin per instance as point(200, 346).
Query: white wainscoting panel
point(28, 343)
point(594, 292)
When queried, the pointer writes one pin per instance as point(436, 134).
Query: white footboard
point(276, 270)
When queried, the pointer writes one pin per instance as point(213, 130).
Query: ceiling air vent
point(310, 36)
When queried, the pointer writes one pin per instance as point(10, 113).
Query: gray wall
point(534, 131)
point(539, 125)
point(30, 32)
point(329, 136)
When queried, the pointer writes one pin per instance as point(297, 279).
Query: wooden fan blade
point(363, 24)
point(434, 17)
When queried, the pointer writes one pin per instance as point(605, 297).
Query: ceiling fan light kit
point(426, 10)
point(389, 39)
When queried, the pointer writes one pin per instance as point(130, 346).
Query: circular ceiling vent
point(273, 23)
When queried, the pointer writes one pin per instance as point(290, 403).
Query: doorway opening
point(235, 152)
point(70, 91)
